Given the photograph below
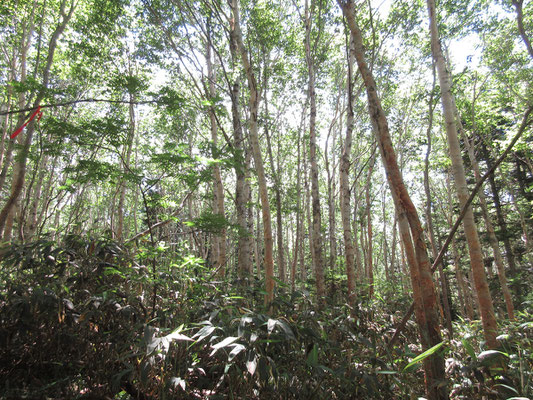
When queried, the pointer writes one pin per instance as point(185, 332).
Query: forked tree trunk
point(486, 308)
point(415, 247)
point(258, 158)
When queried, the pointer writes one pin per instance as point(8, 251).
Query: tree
point(254, 100)
point(474, 246)
point(423, 287)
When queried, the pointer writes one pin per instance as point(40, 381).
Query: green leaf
point(204, 332)
point(236, 350)
point(251, 365)
point(423, 356)
point(175, 382)
point(490, 357)
point(226, 342)
point(469, 349)
point(286, 328)
point(510, 388)
point(271, 324)
point(312, 357)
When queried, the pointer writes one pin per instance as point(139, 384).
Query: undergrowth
point(90, 319)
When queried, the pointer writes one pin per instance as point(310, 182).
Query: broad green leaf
point(236, 350)
point(490, 357)
point(271, 324)
point(512, 389)
point(175, 381)
point(312, 357)
point(204, 332)
point(286, 328)
point(229, 340)
point(469, 349)
point(423, 356)
point(251, 366)
point(177, 336)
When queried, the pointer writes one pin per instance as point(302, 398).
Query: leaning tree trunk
point(414, 243)
point(258, 159)
point(486, 307)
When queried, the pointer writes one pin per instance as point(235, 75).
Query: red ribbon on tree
point(36, 112)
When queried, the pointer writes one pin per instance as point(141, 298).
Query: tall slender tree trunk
point(509, 254)
point(357, 250)
point(486, 307)
point(344, 185)
point(299, 220)
point(32, 222)
point(429, 212)
point(498, 258)
point(19, 173)
point(384, 239)
point(258, 159)
point(126, 167)
point(369, 229)
point(244, 245)
point(318, 262)
point(276, 172)
point(520, 22)
point(461, 280)
point(423, 287)
point(219, 240)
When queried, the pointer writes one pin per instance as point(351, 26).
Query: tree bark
point(498, 259)
point(429, 212)
point(276, 172)
point(369, 231)
point(520, 22)
point(486, 307)
point(258, 159)
point(19, 173)
point(344, 185)
point(126, 167)
point(219, 239)
point(318, 262)
point(244, 245)
point(414, 244)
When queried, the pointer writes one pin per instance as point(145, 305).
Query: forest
point(252, 199)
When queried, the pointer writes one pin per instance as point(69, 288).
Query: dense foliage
point(196, 200)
